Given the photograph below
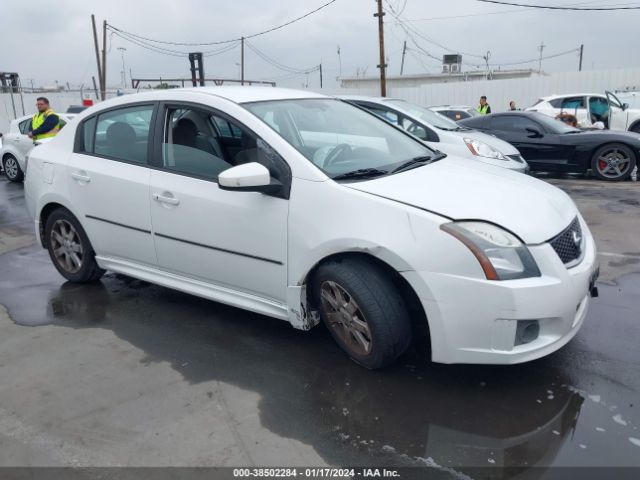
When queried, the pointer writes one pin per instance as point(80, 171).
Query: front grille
point(517, 158)
point(568, 244)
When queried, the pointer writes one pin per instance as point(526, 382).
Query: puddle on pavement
point(547, 412)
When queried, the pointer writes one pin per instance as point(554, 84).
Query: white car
point(590, 108)
point(441, 133)
point(305, 208)
point(16, 144)
point(456, 112)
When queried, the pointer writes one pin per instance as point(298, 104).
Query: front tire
point(70, 249)
point(12, 168)
point(363, 310)
point(613, 162)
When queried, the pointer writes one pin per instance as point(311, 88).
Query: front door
point(541, 149)
point(618, 117)
point(230, 239)
point(109, 183)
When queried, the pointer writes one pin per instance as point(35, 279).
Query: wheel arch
point(634, 125)
point(419, 320)
point(43, 215)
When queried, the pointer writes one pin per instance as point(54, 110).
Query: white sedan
point(305, 208)
point(16, 144)
point(441, 133)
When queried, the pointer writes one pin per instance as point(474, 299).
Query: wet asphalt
point(122, 372)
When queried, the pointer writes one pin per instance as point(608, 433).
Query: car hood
point(462, 189)
point(504, 147)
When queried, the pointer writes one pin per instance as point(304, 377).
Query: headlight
point(482, 149)
point(501, 254)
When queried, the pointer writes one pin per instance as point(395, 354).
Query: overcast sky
point(49, 40)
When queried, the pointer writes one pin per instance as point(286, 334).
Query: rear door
point(109, 182)
point(576, 106)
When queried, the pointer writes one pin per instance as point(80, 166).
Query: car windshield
point(340, 138)
point(552, 125)
point(428, 116)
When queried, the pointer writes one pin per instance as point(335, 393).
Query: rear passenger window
point(122, 134)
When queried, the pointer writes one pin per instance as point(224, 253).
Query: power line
point(167, 51)
point(550, 7)
point(278, 65)
point(187, 44)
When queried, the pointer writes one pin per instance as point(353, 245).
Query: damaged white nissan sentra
point(305, 208)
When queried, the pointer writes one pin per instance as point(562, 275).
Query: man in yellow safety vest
point(45, 123)
point(483, 108)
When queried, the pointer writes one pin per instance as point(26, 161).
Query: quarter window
point(24, 126)
point(121, 134)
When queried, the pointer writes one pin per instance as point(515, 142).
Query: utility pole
point(581, 52)
point(124, 75)
point(242, 61)
point(95, 87)
point(320, 74)
point(104, 61)
point(540, 48)
point(404, 51)
point(382, 66)
point(340, 61)
point(95, 43)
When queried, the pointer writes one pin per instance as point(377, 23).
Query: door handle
point(165, 199)
point(80, 177)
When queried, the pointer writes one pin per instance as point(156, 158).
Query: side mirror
point(534, 133)
point(625, 106)
point(250, 177)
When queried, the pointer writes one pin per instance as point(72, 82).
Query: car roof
point(556, 95)
point(451, 107)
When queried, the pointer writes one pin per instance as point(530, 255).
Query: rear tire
point(363, 310)
point(613, 162)
point(70, 249)
point(635, 128)
point(12, 168)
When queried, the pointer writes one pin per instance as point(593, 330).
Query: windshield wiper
point(361, 173)
point(413, 163)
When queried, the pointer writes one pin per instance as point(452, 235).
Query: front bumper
point(474, 320)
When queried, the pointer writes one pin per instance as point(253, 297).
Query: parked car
point(305, 208)
point(590, 108)
point(456, 112)
point(550, 145)
point(443, 134)
point(76, 108)
point(16, 145)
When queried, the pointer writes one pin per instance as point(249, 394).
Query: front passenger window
point(191, 145)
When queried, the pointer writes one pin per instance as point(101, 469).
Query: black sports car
point(549, 145)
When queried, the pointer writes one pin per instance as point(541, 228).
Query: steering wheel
point(335, 153)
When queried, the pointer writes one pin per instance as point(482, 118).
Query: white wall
point(525, 91)
point(59, 101)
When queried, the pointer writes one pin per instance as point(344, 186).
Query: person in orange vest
point(45, 123)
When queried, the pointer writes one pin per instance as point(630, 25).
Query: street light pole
point(124, 75)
